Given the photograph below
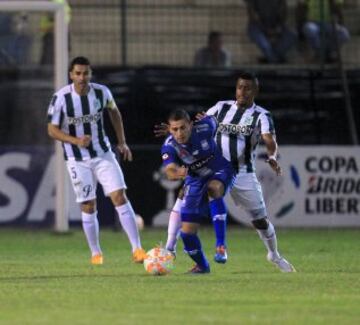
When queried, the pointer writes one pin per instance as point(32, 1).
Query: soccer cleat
point(173, 253)
point(198, 270)
point(220, 255)
point(97, 259)
point(281, 263)
point(139, 255)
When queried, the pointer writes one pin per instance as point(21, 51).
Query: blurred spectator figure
point(213, 55)
point(268, 30)
point(315, 23)
point(15, 41)
point(47, 30)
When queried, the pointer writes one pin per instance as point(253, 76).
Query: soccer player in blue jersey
point(241, 125)
point(191, 153)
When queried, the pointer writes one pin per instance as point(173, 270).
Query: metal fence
point(168, 32)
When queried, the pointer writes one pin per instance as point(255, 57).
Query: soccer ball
point(159, 261)
point(139, 222)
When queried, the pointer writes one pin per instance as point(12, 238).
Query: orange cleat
point(97, 259)
point(139, 255)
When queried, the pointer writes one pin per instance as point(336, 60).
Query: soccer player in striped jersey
point(241, 126)
point(75, 119)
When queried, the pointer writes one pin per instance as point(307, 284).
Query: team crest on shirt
point(204, 144)
point(249, 120)
point(97, 104)
point(165, 156)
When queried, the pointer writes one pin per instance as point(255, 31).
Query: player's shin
point(192, 246)
point(268, 236)
point(128, 223)
point(174, 226)
point(218, 215)
point(90, 225)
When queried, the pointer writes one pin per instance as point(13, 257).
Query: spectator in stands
point(268, 30)
point(15, 41)
point(47, 30)
point(213, 55)
point(315, 23)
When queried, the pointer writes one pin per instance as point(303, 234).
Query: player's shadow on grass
point(75, 276)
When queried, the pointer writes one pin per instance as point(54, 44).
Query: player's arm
point(54, 117)
point(272, 151)
point(55, 133)
point(117, 122)
point(175, 172)
point(161, 130)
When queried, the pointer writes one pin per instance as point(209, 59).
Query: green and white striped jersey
point(239, 132)
point(82, 115)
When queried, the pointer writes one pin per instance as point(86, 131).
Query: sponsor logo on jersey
point(90, 118)
point(200, 163)
point(201, 128)
point(236, 129)
point(204, 145)
point(165, 156)
point(97, 104)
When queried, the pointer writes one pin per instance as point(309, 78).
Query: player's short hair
point(249, 76)
point(80, 60)
point(179, 114)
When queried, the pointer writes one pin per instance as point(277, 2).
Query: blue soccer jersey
point(204, 161)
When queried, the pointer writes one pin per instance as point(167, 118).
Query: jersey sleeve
point(168, 155)
point(109, 99)
point(55, 113)
point(212, 123)
point(213, 110)
point(266, 123)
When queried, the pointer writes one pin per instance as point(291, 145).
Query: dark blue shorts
point(195, 199)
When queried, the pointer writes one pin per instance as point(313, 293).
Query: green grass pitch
point(46, 279)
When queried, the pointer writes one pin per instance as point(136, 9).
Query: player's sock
point(268, 236)
point(192, 246)
point(128, 223)
point(90, 225)
point(218, 215)
point(174, 226)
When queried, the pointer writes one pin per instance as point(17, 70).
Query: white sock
point(90, 225)
point(268, 236)
point(127, 220)
point(174, 226)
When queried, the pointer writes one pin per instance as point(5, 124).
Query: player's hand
point(274, 166)
point(161, 130)
point(125, 152)
point(182, 172)
point(199, 116)
point(84, 141)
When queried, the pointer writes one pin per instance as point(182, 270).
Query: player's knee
point(215, 189)
point(262, 223)
point(189, 227)
point(118, 197)
point(88, 206)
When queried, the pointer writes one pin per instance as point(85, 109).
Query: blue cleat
point(220, 255)
point(198, 270)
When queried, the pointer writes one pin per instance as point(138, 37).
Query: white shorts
point(85, 174)
point(247, 192)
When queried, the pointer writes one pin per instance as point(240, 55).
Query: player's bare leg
point(90, 225)
point(267, 234)
point(128, 222)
